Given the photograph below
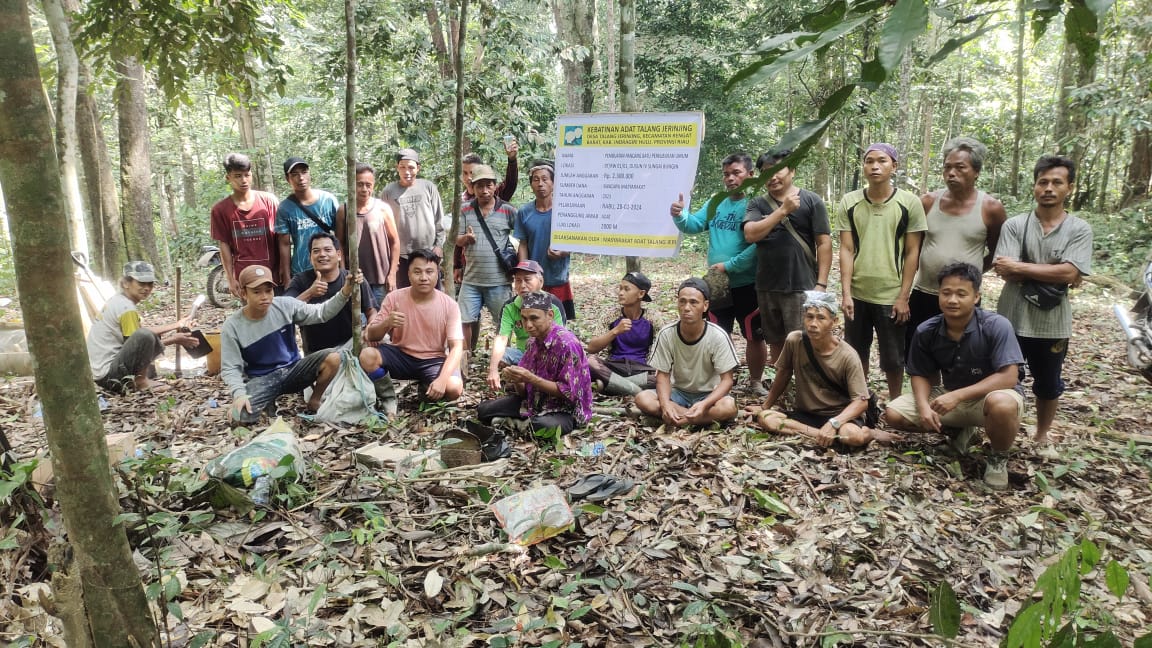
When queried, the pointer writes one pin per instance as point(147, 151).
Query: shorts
point(745, 310)
point(378, 293)
point(969, 413)
point(780, 314)
point(290, 379)
point(472, 298)
point(922, 306)
point(1045, 359)
point(686, 398)
point(889, 334)
point(402, 366)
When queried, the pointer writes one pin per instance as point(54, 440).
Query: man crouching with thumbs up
point(730, 256)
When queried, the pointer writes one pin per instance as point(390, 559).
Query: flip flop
point(588, 484)
point(615, 486)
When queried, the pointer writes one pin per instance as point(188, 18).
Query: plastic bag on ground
point(251, 465)
point(534, 515)
point(351, 397)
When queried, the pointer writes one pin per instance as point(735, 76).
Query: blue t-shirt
point(291, 220)
point(535, 229)
point(726, 242)
point(988, 345)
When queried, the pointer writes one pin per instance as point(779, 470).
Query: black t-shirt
point(781, 264)
point(337, 330)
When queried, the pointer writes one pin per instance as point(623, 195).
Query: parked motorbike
point(1138, 329)
point(218, 293)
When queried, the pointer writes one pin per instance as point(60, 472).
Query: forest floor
point(731, 537)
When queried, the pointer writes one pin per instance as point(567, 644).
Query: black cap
point(640, 281)
point(293, 162)
point(698, 284)
point(407, 154)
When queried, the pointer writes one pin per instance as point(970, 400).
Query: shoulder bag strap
point(819, 369)
point(787, 223)
point(310, 214)
point(488, 232)
point(1024, 240)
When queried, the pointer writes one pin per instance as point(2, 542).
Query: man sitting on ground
point(318, 285)
point(831, 391)
point(259, 359)
point(422, 322)
point(694, 361)
point(527, 277)
point(553, 389)
point(976, 355)
point(629, 339)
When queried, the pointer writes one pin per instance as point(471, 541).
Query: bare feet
point(149, 385)
point(884, 438)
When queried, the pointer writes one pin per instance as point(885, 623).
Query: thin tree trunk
point(1018, 121)
point(352, 245)
point(135, 162)
point(67, 145)
point(610, 44)
point(262, 151)
point(1109, 145)
point(112, 596)
point(1139, 169)
point(575, 27)
point(458, 147)
point(628, 100)
point(187, 164)
point(103, 202)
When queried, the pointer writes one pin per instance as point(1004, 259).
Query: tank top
point(951, 238)
point(375, 257)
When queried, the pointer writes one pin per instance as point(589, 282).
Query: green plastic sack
point(251, 465)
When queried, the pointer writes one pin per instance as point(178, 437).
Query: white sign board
point(616, 176)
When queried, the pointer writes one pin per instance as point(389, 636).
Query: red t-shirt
point(248, 233)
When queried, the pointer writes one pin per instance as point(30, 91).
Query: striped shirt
point(483, 268)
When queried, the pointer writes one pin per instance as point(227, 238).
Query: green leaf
point(1025, 630)
point(769, 502)
point(175, 610)
point(1089, 556)
point(591, 509)
point(833, 640)
point(872, 74)
point(945, 611)
point(1043, 11)
point(771, 66)
point(171, 588)
point(1106, 640)
point(908, 19)
point(1117, 578)
point(1050, 512)
point(953, 44)
point(1080, 29)
point(774, 42)
point(1143, 642)
point(694, 608)
point(202, 639)
point(552, 562)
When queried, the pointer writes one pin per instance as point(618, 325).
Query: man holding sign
point(730, 254)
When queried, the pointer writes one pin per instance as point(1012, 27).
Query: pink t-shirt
point(428, 326)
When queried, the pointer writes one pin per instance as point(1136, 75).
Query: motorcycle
point(218, 293)
point(1139, 330)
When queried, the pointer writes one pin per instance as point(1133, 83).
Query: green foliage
point(945, 611)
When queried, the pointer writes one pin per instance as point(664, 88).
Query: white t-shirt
point(118, 320)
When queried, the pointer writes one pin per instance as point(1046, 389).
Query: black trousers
point(509, 407)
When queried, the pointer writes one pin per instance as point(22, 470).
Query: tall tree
point(576, 29)
point(111, 609)
point(629, 102)
point(458, 149)
point(1018, 120)
point(353, 232)
point(103, 203)
point(135, 161)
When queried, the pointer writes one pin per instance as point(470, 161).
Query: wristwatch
point(835, 423)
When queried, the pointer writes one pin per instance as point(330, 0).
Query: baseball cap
point(292, 163)
point(698, 284)
point(141, 271)
point(640, 281)
point(528, 265)
point(407, 154)
point(255, 275)
point(483, 172)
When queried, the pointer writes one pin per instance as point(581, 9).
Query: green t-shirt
point(512, 327)
point(879, 250)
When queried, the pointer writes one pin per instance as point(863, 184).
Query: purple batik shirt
point(559, 358)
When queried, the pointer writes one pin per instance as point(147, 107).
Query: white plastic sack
point(350, 398)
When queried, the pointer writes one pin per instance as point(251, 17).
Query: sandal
point(615, 486)
point(587, 484)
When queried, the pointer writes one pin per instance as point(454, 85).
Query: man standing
point(505, 190)
point(419, 212)
point(1039, 255)
point(423, 325)
point(487, 222)
point(880, 229)
point(243, 223)
point(534, 231)
point(376, 229)
point(963, 225)
point(789, 226)
point(318, 285)
point(974, 353)
point(730, 254)
point(303, 213)
point(694, 360)
point(259, 360)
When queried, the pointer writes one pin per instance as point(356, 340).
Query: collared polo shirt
point(987, 345)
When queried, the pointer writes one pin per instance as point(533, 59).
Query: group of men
point(910, 276)
point(911, 273)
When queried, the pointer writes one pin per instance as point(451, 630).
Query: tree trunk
point(113, 599)
point(449, 261)
point(576, 29)
point(352, 245)
point(612, 63)
point(135, 162)
point(1139, 169)
point(1018, 122)
point(67, 145)
point(103, 202)
point(628, 100)
point(187, 164)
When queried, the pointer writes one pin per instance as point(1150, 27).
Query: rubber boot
point(620, 386)
point(386, 398)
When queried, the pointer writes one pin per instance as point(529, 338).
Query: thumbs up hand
point(677, 207)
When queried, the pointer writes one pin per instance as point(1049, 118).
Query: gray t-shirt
point(118, 320)
point(781, 264)
point(483, 269)
point(419, 214)
point(694, 367)
point(1069, 242)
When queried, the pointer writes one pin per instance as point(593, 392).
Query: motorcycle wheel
point(218, 293)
